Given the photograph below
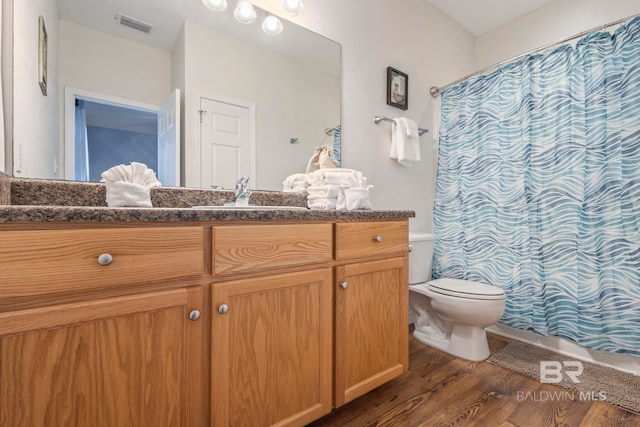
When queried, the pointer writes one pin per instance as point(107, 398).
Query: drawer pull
point(194, 315)
point(378, 238)
point(344, 285)
point(223, 309)
point(105, 259)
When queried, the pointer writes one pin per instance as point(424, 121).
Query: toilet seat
point(465, 289)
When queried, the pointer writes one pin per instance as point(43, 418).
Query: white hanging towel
point(405, 142)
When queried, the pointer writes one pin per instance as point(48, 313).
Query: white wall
point(553, 22)
point(3, 78)
point(35, 119)
point(110, 65)
point(292, 99)
point(414, 37)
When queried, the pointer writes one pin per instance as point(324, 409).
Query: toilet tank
point(420, 256)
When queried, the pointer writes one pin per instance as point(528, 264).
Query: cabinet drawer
point(255, 247)
point(38, 262)
point(360, 239)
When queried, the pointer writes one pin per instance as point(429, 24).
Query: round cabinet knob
point(105, 259)
point(378, 238)
point(194, 315)
point(223, 309)
point(344, 285)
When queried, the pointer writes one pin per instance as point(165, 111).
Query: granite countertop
point(46, 201)
point(15, 214)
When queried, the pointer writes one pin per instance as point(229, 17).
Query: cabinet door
point(112, 362)
point(371, 338)
point(271, 347)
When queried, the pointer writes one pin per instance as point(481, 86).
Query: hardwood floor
point(442, 390)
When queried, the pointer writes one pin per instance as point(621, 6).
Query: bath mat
point(596, 382)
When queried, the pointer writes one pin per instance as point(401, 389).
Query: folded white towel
point(294, 179)
point(296, 183)
point(357, 198)
point(405, 142)
point(329, 204)
point(341, 202)
point(335, 177)
point(354, 179)
point(130, 185)
point(323, 191)
point(128, 194)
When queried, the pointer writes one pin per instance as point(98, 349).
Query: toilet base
point(466, 341)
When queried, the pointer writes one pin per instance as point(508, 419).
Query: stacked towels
point(296, 183)
point(323, 196)
point(332, 189)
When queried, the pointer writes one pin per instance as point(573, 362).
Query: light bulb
point(216, 5)
point(271, 25)
point(292, 6)
point(244, 12)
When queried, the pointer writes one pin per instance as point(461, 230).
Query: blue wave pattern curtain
point(538, 189)
point(337, 145)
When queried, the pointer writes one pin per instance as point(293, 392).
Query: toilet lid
point(465, 289)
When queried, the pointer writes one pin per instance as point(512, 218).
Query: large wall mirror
point(247, 102)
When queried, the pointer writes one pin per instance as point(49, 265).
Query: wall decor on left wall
point(42, 55)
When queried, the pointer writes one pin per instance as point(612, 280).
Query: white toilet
point(450, 314)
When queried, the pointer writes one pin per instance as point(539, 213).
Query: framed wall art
point(397, 88)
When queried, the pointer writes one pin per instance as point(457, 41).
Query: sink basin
point(248, 208)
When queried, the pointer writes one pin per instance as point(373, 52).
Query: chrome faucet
point(242, 192)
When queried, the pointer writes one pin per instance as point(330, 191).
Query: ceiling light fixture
point(292, 6)
point(216, 5)
point(271, 25)
point(244, 12)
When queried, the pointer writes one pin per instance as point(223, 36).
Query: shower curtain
point(337, 146)
point(81, 155)
point(538, 189)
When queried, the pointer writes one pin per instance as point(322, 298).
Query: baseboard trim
point(621, 362)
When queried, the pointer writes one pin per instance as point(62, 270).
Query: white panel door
point(168, 141)
point(225, 141)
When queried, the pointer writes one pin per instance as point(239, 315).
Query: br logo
point(551, 371)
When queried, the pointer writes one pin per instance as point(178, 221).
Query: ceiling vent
point(130, 22)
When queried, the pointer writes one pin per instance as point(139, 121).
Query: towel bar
point(378, 119)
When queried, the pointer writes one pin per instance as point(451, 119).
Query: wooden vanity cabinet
point(271, 349)
point(108, 362)
point(272, 332)
point(216, 324)
point(371, 325)
point(107, 358)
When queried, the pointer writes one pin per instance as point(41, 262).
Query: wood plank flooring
point(442, 390)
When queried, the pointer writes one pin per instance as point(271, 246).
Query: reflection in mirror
point(243, 95)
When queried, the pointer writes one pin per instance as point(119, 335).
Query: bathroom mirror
point(290, 80)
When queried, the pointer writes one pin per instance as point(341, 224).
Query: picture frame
point(42, 55)
point(397, 88)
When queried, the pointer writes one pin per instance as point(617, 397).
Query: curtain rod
point(435, 90)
